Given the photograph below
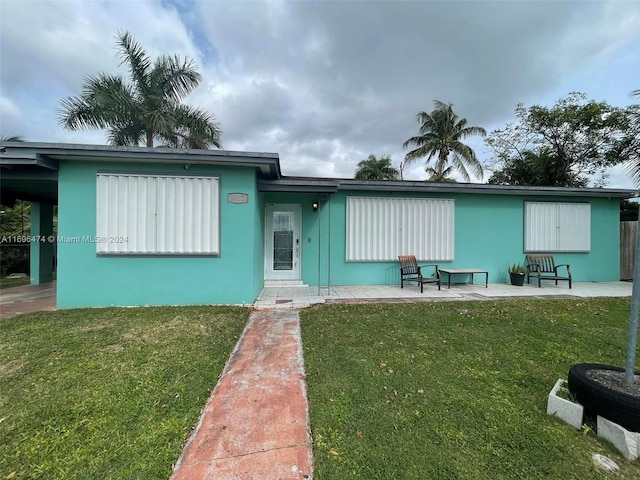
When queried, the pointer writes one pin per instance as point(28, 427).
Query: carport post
point(41, 254)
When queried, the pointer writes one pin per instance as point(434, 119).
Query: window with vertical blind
point(380, 229)
point(157, 214)
point(557, 227)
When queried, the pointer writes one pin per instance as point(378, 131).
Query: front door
point(282, 242)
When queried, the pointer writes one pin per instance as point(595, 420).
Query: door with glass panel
point(282, 242)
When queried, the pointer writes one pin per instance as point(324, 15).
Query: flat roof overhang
point(24, 162)
point(29, 170)
point(267, 164)
point(29, 177)
point(298, 185)
point(482, 188)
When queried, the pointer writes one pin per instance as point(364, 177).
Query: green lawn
point(455, 390)
point(6, 282)
point(107, 393)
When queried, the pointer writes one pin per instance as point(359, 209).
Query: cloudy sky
point(325, 84)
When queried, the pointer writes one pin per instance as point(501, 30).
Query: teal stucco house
point(154, 226)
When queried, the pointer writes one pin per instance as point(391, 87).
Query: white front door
point(282, 242)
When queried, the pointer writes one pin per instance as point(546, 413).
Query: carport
point(32, 178)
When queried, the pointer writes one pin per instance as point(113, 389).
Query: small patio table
point(464, 271)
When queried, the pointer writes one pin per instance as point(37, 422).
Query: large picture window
point(557, 227)
point(380, 229)
point(157, 214)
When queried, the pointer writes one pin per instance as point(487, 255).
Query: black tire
point(619, 407)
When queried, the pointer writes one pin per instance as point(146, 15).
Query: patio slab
point(305, 296)
point(27, 299)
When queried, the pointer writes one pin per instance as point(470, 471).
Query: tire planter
point(597, 399)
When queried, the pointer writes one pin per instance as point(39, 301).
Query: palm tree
point(435, 175)
point(376, 169)
point(440, 135)
point(632, 166)
point(145, 109)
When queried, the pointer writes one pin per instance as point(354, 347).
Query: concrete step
point(284, 283)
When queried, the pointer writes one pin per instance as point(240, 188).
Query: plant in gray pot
point(517, 272)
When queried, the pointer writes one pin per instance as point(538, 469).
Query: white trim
point(288, 274)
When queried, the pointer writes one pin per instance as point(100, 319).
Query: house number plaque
point(237, 198)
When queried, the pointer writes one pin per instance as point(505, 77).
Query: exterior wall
point(489, 234)
point(84, 279)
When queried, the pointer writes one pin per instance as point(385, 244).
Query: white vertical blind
point(557, 227)
point(157, 214)
point(380, 229)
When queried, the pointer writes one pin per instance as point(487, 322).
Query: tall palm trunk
point(149, 138)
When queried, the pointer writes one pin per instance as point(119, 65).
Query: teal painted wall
point(489, 234)
point(84, 279)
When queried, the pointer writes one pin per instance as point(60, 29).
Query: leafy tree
point(15, 220)
point(576, 138)
point(440, 136)
point(628, 211)
point(148, 107)
point(374, 168)
point(537, 169)
point(632, 147)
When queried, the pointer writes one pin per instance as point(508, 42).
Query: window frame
point(403, 242)
point(532, 245)
point(101, 239)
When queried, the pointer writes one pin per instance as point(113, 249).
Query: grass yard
point(7, 282)
point(455, 390)
point(107, 393)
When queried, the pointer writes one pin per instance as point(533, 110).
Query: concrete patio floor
point(27, 299)
point(34, 298)
point(283, 297)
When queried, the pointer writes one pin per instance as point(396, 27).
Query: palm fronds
point(145, 108)
point(440, 135)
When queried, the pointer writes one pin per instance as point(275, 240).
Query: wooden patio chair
point(543, 267)
point(410, 271)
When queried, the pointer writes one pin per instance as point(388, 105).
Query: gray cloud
point(324, 84)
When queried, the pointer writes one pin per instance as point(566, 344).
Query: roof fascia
point(309, 185)
point(486, 189)
point(268, 164)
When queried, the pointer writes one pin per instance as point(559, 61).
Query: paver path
point(255, 424)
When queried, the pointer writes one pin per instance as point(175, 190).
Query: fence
point(628, 233)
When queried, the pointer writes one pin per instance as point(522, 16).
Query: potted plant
point(516, 273)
